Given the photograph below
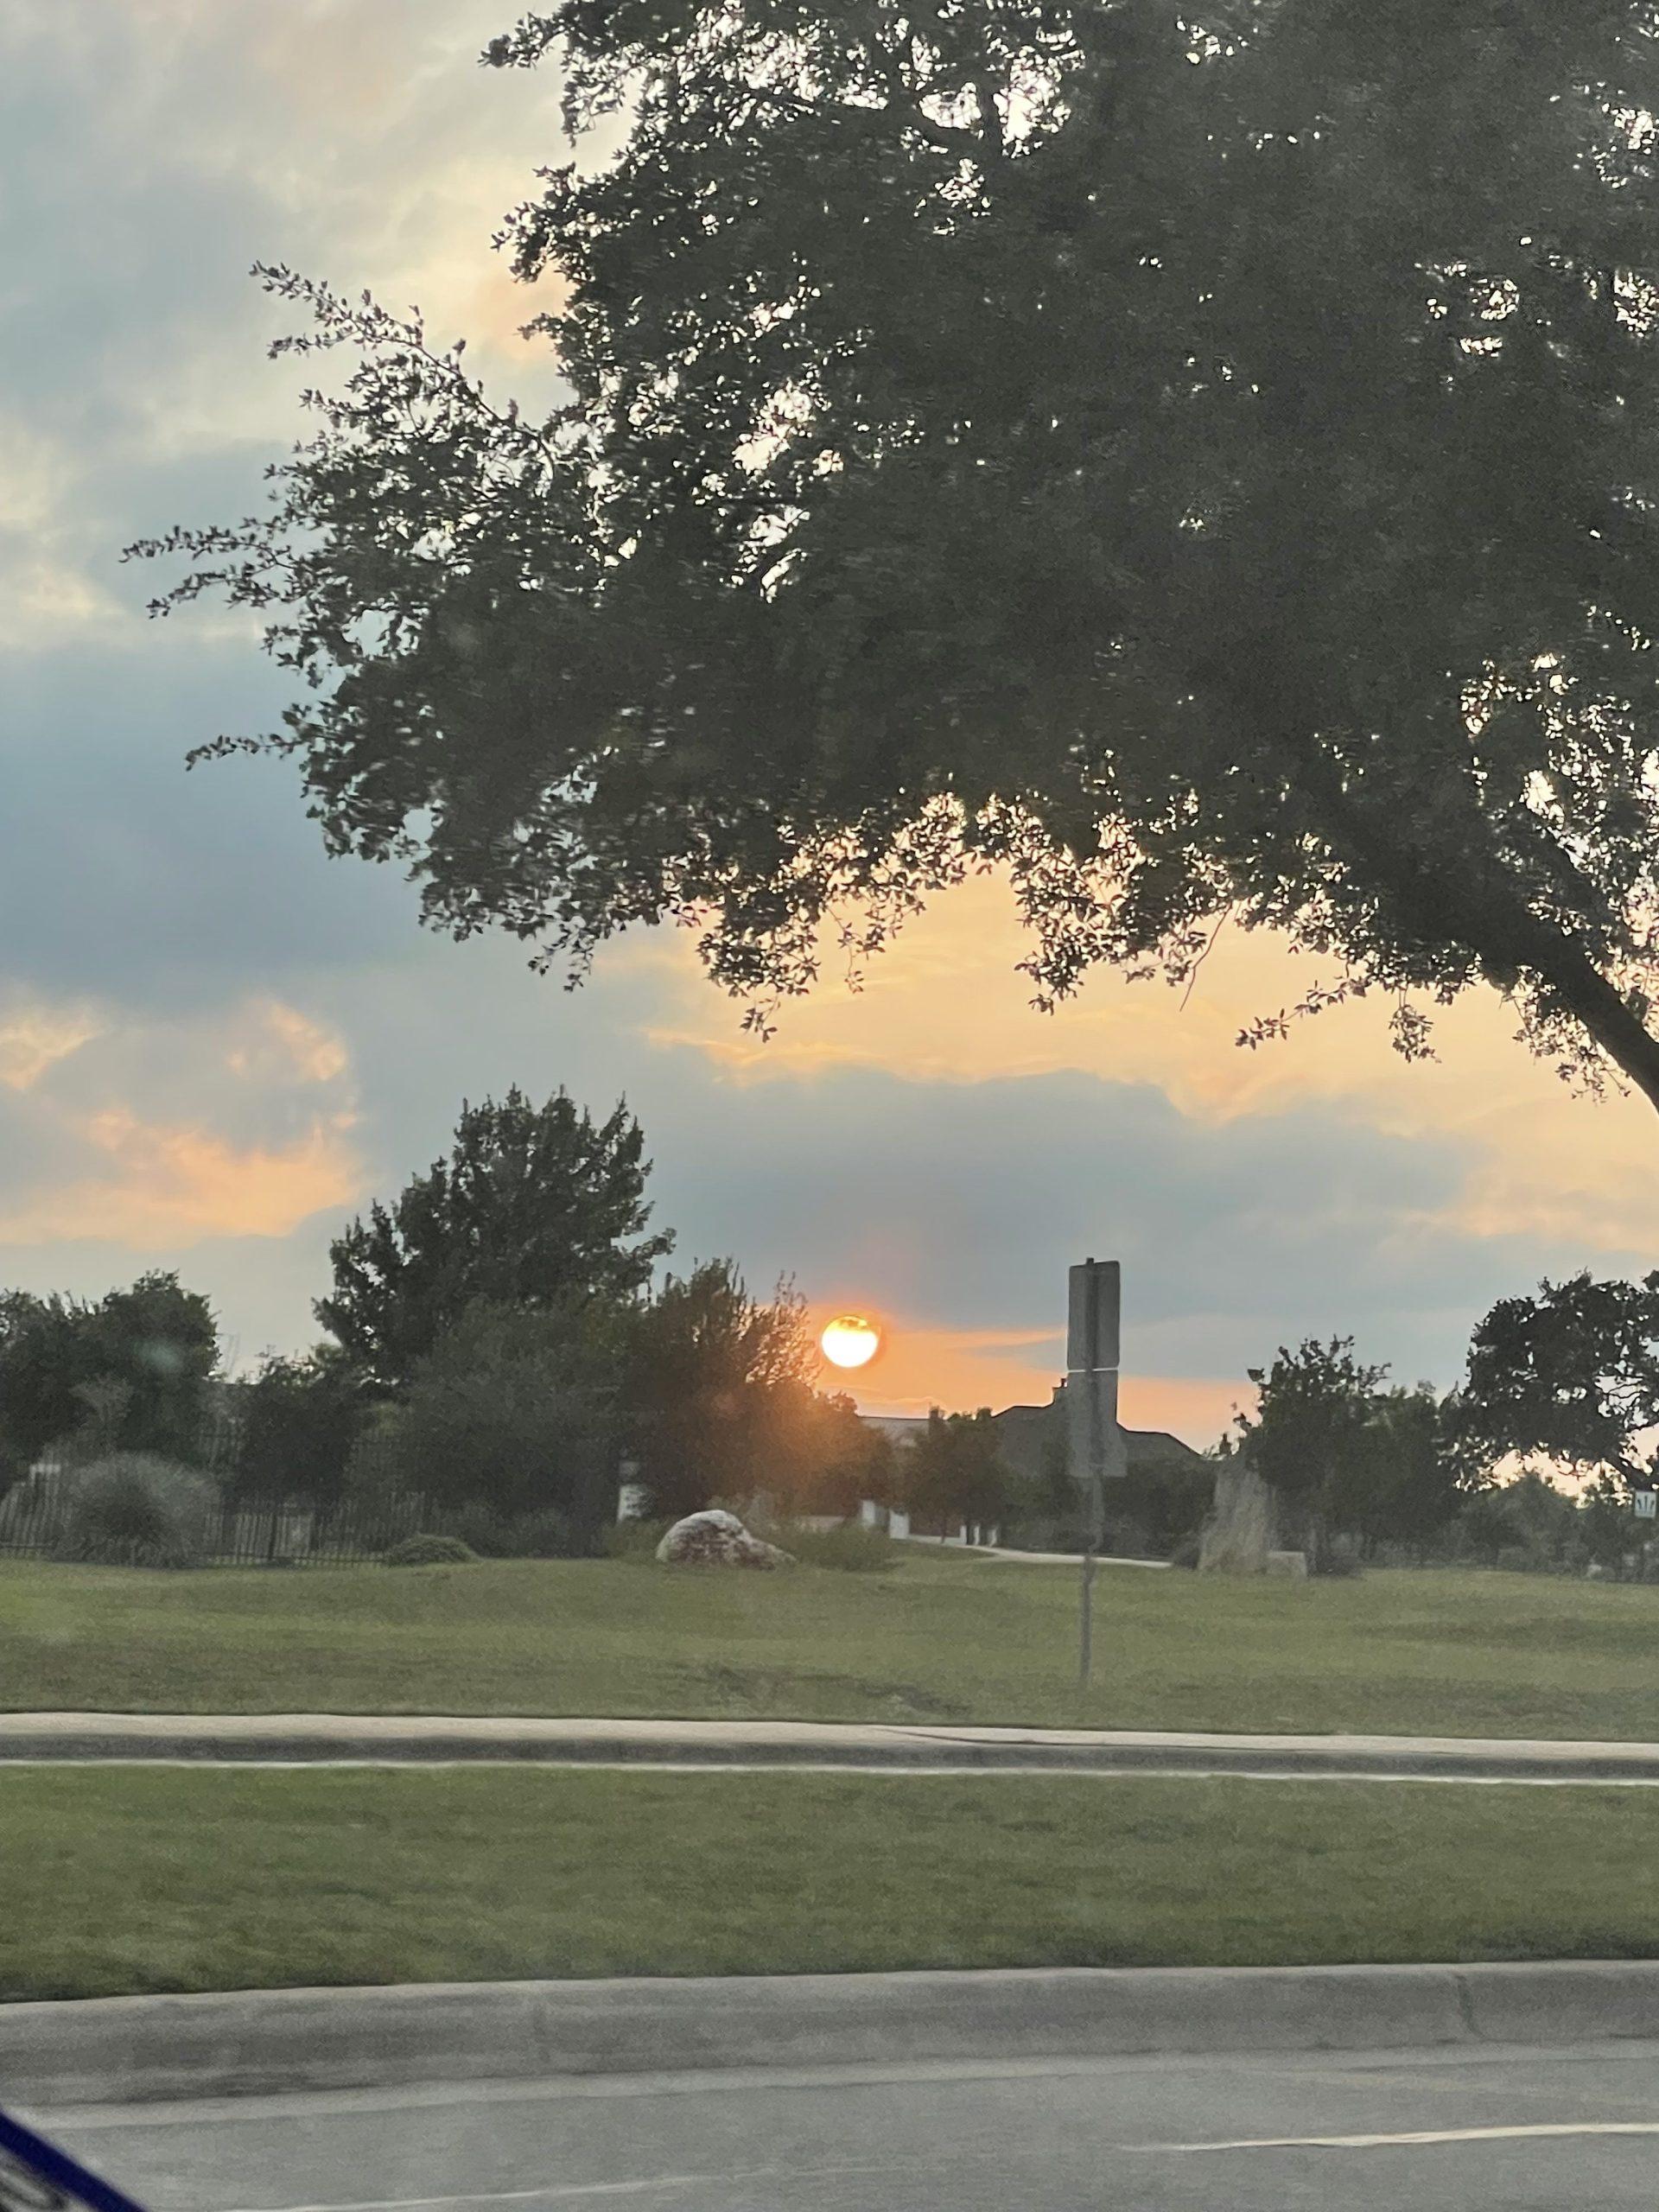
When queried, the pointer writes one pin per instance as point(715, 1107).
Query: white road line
point(554, 2193)
point(1419, 2136)
point(569, 2192)
point(957, 1771)
point(421, 2203)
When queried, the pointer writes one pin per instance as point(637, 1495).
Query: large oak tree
point(1202, 460)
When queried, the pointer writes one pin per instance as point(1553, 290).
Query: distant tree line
point(1531, 1462)
point(496, 1341)
point(502, 1339)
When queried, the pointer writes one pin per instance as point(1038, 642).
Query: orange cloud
point(286, 1044)
point(946, 1004)
point(36, 1039)
point(498, 306)
point(172, 1185)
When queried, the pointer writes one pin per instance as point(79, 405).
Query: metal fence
point(243, 1532)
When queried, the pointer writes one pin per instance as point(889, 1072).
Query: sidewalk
point(1070, 1559)
point(330, 1738)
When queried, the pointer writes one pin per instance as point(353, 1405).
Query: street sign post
point(1094, 1449)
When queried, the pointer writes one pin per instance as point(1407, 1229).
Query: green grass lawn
point(938, 1638)
point(121, 1879)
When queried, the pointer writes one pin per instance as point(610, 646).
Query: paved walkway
point(329, 1738)
point(1068, 1559)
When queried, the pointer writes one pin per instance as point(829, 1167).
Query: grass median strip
point(117, 1880)
point(936, 1639)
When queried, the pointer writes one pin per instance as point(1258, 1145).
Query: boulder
point(1238, 1536)
point(716, 1539)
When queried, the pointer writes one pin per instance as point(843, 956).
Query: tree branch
point(1474, 904)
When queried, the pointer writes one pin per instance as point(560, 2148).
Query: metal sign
point(1094, 1442)
point(1091, 1336)
point(36, 2177)
point(1647, 1504)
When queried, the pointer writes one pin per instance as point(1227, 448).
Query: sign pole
point(1085, 1622)
point(1093, 1439)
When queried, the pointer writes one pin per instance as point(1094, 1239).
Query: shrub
point(634, 1542)
point(850, 1550)
point(430, 1550)
point(1333, 1563)
point(1522, 1559)
point(482, 1529)
point(135, 1510)
point(547, 1533)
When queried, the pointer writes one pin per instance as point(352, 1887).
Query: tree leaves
point(1572, 1375)
point(534, 1206)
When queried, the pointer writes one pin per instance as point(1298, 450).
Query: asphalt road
point(1526, 2131)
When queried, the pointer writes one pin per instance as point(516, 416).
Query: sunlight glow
point(851, 1341)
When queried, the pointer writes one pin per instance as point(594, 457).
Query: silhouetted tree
point(160, 1340)
point(1534, 1515)
point(844, 1460)
point(1308, 1437)
point(535, 1206)
point(954, 1472)
point(718, 1396)
point(1403, 1477)
point(514, 1408)
point(298, 1419)
point(1572, 1375)
point(42, 1365)
point(134, 1367)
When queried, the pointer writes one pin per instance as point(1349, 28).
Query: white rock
point(716, 1539)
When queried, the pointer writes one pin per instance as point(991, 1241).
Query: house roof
point(1025, 1427)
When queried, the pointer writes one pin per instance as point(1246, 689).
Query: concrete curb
point(324, 1738)
point(133, 2049)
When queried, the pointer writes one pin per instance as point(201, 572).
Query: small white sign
point(1647, 1504)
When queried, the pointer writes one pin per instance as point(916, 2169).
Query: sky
point(217, 1045)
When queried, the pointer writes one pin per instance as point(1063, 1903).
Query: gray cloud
point(126, 877)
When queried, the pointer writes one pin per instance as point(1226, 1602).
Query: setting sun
point(851, 1341)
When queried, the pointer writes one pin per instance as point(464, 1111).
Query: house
point(1144, 1513)
point(1033, 1438)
